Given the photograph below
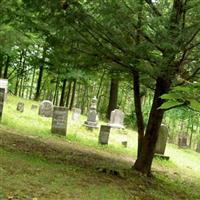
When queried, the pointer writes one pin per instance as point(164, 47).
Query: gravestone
point(2, 97)
point(92, 115)
point(4, 84)
point(116, 119)
point(34, 107)
point(76, 112)
point(46, 108)
point(162, 140)
point(182, 141)
point(59, 120)
point(198, 147)
point(104, 134)
point(20, 107)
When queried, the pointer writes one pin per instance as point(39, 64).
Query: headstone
point(34, 107)
point(76, 112)
point(2, 97)
point(59, 120)
point(20, 107)
point(46, 108)
point(162, 140)
point(116, 119)
point(92, 115)
point(104, 134)
point(182, 141)
point(198, 147)
point(4, 84)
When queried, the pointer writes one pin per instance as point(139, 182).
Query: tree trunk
point(62, 98)
point(113, 97)
point(32, 83)
point(138, 110)
point(144, 161)
point(73, 95)
point(68, 94)
point(6, 68)
point(41, 69)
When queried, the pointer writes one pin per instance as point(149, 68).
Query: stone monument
point(162, 139)
point(76, 112)
point(59, 120)
point(2, 97)
point(46, 108)
point(92, 115)
point(182, 141)
point(104, 134)
point(20, 107)
point(4, 84)
point(116, 119)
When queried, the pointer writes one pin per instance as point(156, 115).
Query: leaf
point(170, 104)
point(195, 104)
point(170, 96)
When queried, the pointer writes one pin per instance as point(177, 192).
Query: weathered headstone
point(198, 147)
point(116, 119)
point(76, 114)
point(34, 107)
point(104, 134)
point(182, 141)
point(4, 84)
point(20, 107)
point(162, 140)
point(46, 108)
point(2, 97)
point(92, 115)
point(59, 120)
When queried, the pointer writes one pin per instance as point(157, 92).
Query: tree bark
point(62, 98)
point(73, 95)
point(5, 75)
point(113, 97)
point(68, 94)
point(144, 161)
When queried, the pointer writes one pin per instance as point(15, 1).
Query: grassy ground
point(38, 176)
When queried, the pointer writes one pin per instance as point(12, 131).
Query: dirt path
point(60, 151)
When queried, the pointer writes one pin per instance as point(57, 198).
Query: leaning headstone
point(162, 140)
point(76, 112)
point(2, 97)
point(182, 141)
point(4, 84)
point(20, 107)
point(198, 147)
point(59, 120)
point(116, 119)
point(104, 134)
point(34, 107)
point(46, 108)
point(92, 115)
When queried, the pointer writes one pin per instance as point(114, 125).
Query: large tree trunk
point(73, 95)
point(6, 67)
point(138, 110)
point(32, 83)
point(62, 98)
point(144, 161)
point(113, 97)
point(68, 94)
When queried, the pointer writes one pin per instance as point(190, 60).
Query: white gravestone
point(162, 139)
point(4, 84)
point(76, 112)
point(46, 108)
point(92, 115)
point(116, 119)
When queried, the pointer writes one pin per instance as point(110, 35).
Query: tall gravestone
point(104, 134)
point(116, 119)
point(20, 107)
point(2, 97)
point(4, 85)
point(198, 147)
point(162, 139)
point(59, 120)
point(76, 112)
point(92, 115)
point(46, 108)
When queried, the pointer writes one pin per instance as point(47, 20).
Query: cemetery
point(100, 100)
